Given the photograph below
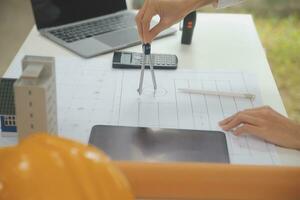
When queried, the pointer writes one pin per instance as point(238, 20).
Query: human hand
point(266, 124)
point(169, 12)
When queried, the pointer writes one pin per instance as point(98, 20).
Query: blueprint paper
point(91, 93)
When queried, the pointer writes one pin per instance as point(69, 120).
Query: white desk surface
point(220, 41)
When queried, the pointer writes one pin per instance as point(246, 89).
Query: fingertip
point(226, 120)
point(148, 39)
point(225, 128)
point(145, 41)
point(222, 122)
point(236, 134)
point(221, 126)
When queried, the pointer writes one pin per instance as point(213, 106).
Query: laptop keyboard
point(90, 29)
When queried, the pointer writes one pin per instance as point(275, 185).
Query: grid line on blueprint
point(192, 108)
point(177, 116)
point(210, 126)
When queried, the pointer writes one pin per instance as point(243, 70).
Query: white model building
point(35, 96)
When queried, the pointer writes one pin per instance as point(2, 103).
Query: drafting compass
point(146, 55)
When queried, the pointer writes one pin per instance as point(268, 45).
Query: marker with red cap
point(189, 23)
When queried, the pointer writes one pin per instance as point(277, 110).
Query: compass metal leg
point(152, 72)
point(140, 89)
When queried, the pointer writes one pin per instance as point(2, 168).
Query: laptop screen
point(49, 13)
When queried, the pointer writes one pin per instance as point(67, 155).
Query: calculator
point(132, 60)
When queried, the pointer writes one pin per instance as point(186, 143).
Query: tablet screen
point(160, 145)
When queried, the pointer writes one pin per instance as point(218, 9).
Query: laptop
point(88, 27)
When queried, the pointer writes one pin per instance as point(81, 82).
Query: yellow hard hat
point(46, 167)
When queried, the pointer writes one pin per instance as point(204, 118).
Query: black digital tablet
point(160, 145)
